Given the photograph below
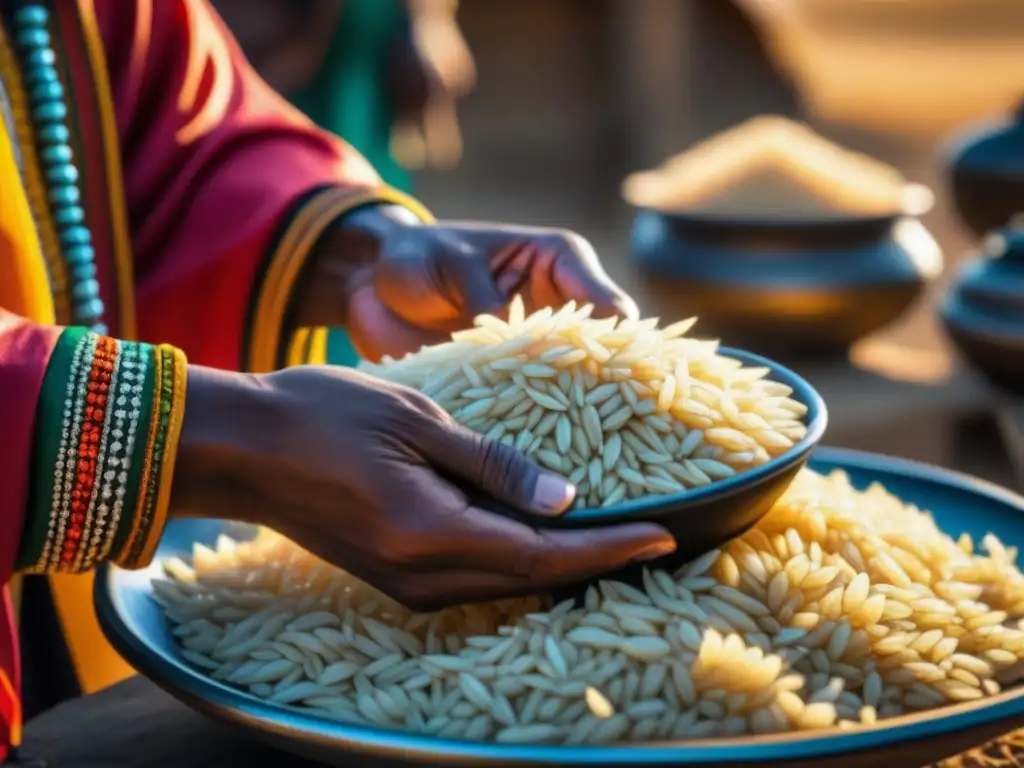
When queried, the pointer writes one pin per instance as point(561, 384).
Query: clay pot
point(987, 174)
point(784, 287)
point(983, 310)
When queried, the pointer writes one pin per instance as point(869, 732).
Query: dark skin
point(351, 467)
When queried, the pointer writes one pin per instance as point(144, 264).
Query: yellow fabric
point(32, 179)
point(24, 286)
point(97, 664)
point(308, 347)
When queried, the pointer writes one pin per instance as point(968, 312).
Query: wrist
point(228, 417)
point(288, 293)
point(343, 260)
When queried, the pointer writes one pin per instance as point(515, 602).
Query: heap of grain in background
point(771, 167)
point(620, 407)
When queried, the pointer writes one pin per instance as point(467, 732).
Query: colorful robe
point(204, 193)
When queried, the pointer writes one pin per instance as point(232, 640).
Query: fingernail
point(553, 494)
point(654, 551)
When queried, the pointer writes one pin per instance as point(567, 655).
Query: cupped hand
point(416, 283)
point(350, 467)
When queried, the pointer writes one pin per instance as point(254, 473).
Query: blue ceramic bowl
point(986, 173)
point(136, 626)
point(788, 287)
point(702, 518)
point(983, 312)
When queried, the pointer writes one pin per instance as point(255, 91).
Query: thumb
point(499, 471)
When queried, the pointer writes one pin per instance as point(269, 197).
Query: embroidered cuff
point(107, 428)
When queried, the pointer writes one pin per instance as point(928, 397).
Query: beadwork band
point(108, 425)
point(49, 116)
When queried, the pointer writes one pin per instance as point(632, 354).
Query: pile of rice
point(621, 408)
point(840, 608)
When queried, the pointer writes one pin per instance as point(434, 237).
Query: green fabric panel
point(49, 423)
point(349, 95)
point(349, 98)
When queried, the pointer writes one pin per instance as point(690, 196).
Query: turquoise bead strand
point(61, 176)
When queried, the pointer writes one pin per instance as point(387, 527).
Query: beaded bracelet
point(107, 426)
point(162, 448)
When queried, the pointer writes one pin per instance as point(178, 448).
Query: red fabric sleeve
point(215, 165)
point(24, 354)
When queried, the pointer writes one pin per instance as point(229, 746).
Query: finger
point(504, 256)
point(562, 557)
point(454, 538)
point(546, 557)
point(480, 540)
point(433, 589)
point(579, 276)
point(512, 269)
point(492, 467)
point(466, 273)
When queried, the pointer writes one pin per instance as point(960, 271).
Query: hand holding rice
point(841, 607)
point(620, 407)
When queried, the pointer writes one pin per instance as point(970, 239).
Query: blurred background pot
point(791, 288)
point(983, 310)
point(987, 174)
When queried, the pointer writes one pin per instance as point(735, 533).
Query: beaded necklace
point(49, 114)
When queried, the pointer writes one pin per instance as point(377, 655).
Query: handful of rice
point(621, 408)
point(841, 607)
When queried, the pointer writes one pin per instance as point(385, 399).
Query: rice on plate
point(839, 608)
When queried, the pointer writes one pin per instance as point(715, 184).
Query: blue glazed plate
point(135, 625)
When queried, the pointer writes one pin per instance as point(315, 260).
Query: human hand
point(347, 466)
point(397, 284)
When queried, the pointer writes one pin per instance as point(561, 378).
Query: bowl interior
point(136, 626)
point(652, 507)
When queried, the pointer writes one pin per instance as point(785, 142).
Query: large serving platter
point(137, 627)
